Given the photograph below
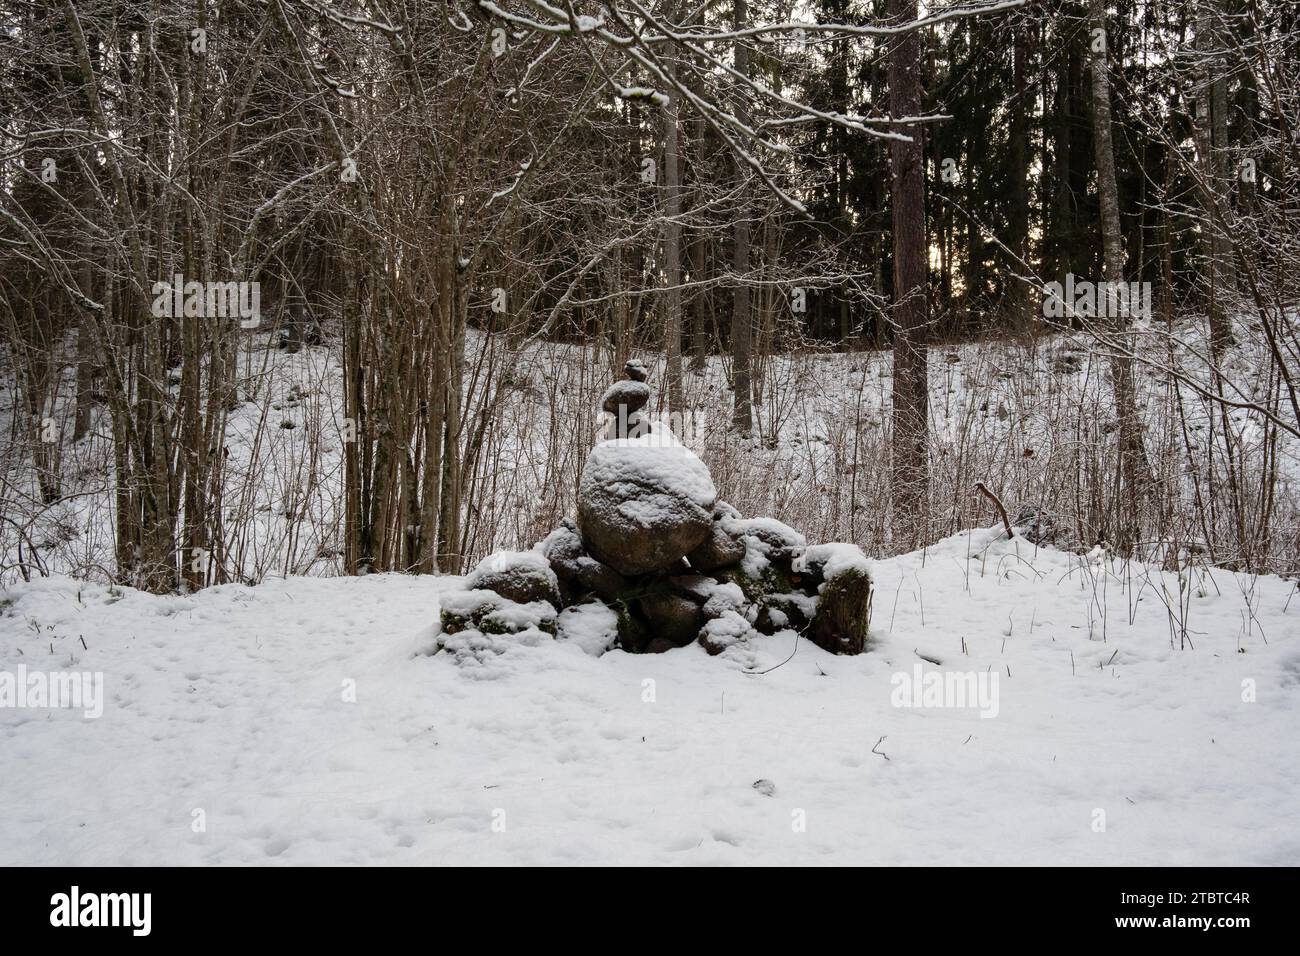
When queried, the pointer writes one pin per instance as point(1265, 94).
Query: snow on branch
point(644, 38)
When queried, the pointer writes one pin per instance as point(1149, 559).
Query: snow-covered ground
point(301, 722)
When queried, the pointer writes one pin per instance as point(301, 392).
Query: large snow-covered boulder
point(644, 503)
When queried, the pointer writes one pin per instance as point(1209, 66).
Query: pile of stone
point(654, 561)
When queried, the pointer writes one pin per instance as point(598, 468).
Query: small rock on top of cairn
point(625, 399)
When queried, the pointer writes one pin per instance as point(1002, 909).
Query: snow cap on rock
point(521, 576)
point(644, 503)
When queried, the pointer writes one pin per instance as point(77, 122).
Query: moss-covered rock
point(633, 634)
point(462, 610)
point(757, 580)
point(452, 623)
point(843, 612)
point(477, 625)
point(488, 612)
point(512, 618)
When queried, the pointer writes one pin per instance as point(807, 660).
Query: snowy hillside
point(304, 721)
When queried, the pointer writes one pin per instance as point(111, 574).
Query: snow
point(701, 587)
point(722, 598)
point(641, 93)
point(766, 532)
point(470, 601)
point(657, 458)
point(477, 650)
point(592, 627)
point(303, 721)
point(524, 563)
point(489, 625)
point(728, 629)
point(807, 605)
point(755, 561)
point(834, 559)
point(519, 617)
point(517, 574)
point(762, 538)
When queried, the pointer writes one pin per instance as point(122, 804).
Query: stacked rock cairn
point(653, 561)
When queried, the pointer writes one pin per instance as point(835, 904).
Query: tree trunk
point(1017, 293)
point(911, 391)
point(699, 305)
point(1135, 472)
point(672, 301)
point(1210, 132)
point(741, 320)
